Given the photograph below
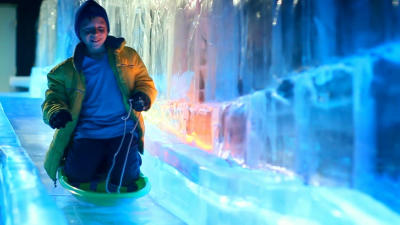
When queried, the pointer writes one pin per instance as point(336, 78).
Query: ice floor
point(188, 187)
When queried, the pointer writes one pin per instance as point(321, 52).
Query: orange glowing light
point(189, 138)
point(204, 146)
point(193, 130)
point(194, 139)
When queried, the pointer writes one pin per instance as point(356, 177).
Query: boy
point(88, 100)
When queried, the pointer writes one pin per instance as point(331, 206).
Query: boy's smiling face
point(94, 33)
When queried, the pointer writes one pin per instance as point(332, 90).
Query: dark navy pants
point(87, 158)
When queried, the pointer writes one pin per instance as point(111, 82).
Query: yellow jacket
point(66, 90)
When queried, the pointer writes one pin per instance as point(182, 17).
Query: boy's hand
point(140, 102)
point(60, 119)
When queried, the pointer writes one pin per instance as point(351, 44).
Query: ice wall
point(252, 43)
point(23, 199)
point(276, 85)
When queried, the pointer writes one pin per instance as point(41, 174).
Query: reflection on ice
point(23, 199)
point(219, 191)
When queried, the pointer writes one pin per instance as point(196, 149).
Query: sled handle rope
point(119, 149)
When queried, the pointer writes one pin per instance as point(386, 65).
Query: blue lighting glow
point(269, 112)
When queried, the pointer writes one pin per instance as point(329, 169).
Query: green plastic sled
point(100, 196)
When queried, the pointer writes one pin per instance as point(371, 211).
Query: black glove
point(59, 119)
point(140, 102)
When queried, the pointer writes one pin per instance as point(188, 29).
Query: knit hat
point(89, 9)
